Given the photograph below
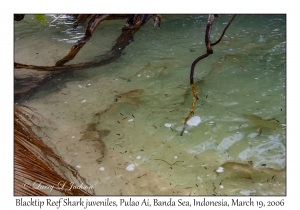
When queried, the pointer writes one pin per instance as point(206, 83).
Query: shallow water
point(241, 86)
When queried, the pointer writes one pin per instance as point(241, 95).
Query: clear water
point(245, 76)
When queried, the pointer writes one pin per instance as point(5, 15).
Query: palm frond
point(36, 163)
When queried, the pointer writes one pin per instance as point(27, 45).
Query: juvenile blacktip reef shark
point(92, 134)
point(154, 67)
point(131, 97)
point(248, 170)
point(263, 123)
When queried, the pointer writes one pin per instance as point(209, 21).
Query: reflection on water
point(141, 101)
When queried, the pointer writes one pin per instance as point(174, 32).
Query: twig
point(224, 31)
point(169, 163)
point(157, 19)
point(214, 189)
point(55, 20)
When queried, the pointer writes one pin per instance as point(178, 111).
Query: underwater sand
point(244, 77)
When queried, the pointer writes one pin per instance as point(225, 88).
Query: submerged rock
point(194, 121)
point(130, 167)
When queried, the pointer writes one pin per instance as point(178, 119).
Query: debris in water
point(220, 170)
point(194, 121)
point(168, 125)
point(130, 167)
point(261, 38)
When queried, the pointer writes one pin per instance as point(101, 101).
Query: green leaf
point(41, 19)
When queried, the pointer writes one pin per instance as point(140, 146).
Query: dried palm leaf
point(38, 170)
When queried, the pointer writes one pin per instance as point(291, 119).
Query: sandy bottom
point(138, 137)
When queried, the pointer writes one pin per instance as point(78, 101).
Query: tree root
point(93, 23)
point(209, 51)
point(133, 24)
point(19, 17)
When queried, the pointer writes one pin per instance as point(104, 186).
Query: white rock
point(83, 101)
point(168, 125)
point(248, 192)
point(130, 167)
point(194, 121)
point(261, 38)
point(138, 157)
point(220, 170)
point(78, 166)
point(130, 120)
point(101, 168)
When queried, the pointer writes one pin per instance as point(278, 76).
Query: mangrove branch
point(209, 51)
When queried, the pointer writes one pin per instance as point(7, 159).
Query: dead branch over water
point(209, 51)
point(133, 24)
